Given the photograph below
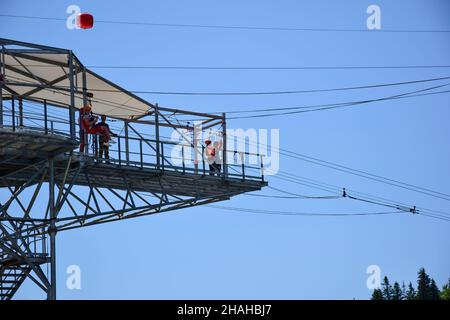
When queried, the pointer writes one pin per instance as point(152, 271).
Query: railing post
point(203, 159)
point(95, 143)
point(1, 100)
point(158, 155)
point(182, 156)
point(20, 111)
point(45, 117)
point(195, 144)
point(224, 146)
point(118, 145)
point(127, 146)
point(162, 156)
point(141, 154)
point(262, 167)
point(243, 166)
point(13, 113)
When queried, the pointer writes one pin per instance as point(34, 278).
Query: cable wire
point(232, 27)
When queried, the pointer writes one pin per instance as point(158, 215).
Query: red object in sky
point(85, 20)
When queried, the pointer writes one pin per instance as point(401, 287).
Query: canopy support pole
point(72, 98)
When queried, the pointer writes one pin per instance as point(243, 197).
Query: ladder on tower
point(14, 271)
point(11, 278)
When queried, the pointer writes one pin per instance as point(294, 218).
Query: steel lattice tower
point(48, 186)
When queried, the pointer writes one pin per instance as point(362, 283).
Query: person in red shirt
point(88, 125)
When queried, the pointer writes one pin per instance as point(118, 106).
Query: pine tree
point(403, 290)
point(377, 294)
point(396, 292)
point(434, 291)
point(386, 289)
point(411, 292)
point(445, 293)
point(423, 285)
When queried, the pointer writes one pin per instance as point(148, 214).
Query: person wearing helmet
point(84, 121)
point(88, 124)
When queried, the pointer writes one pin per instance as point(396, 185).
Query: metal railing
point(128, 150)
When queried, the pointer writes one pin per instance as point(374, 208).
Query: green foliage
point(386, 289)
point(397, 292)
point(445, 293)
point(377, 294)
point(411, 292)
point(427, 289)
point(423, 285)
point(434, 292)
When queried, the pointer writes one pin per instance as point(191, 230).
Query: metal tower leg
point(22, 238)
point(51, 294)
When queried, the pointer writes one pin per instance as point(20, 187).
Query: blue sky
point(208, 253)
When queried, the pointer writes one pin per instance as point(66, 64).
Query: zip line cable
point(347, 104)
point(322, 107)
point(359, 172)
point(374, 176)
point(291, 195)
point(315, 159)
point(327, 105)
point(296, 179)
point(269, 68)
point(256, 68)
point(346, 169)
point(295, 213)
point(402, 209)
point(274, 92)
point(231, 27)
point(394, 205)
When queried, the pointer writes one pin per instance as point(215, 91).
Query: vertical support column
point(2, 79)
point(45, 117)
point(51, 294)
point(262, 167)
point(224, 146)
point(158, 153)
point(127, 145)
point(1, 101)
point(72, 97)
point(13, 113)
point(84, 84)
point(85, 101)
point(20, 111)
point(195, 144)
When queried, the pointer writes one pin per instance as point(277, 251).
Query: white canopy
point(24, 69)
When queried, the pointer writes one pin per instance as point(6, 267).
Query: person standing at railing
point(88, 125)
point(103, 142)
point(218, 153)
point(84, 121)
point(210, 153)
